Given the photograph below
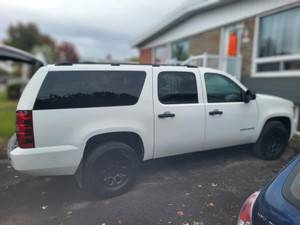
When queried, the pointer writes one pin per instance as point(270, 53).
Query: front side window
point(180, 50)
point(221, 89)
point(177, 88)
point(83, 89)
point(279, 36)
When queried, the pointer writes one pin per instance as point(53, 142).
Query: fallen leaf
point(170, 204)
point(199, 186)
point(8, 167)
point(180, 213)
point(209, 195)
point(16, 176)
point(197, 223)
point(213, 185)
point(233, 216)
point(169, 222)
point(119, 221)
point(107, 202)
point(183, 205)
point(211, 204)
point(70, 212)
point(187, 194)
point(44, 207)
point(185, 224)
point(43, 193)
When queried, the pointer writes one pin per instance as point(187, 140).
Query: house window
point(180, 50)
point(278, 48)
point(161, 54)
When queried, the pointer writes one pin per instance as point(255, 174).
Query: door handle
point(166, 114)
point(215, 112)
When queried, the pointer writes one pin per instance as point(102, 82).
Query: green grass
point(7, 122)
point(2, 95)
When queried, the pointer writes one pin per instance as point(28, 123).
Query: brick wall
point(146, 56)
point(205, 42)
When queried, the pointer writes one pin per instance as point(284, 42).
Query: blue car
point(278, 203)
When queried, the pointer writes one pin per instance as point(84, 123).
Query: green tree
point(23, 36)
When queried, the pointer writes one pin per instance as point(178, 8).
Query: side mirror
point(248, 96)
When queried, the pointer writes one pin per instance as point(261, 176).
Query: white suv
point(100, 121)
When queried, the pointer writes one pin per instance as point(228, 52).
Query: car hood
point(272, 98)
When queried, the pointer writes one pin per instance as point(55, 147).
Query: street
point(204, 188)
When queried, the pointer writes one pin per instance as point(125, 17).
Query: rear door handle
point(215, 112)
point(166, 114)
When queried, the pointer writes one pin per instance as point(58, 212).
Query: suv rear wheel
point(272, 141)
point(111, 169)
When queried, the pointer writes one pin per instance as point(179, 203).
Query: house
point(263, 34)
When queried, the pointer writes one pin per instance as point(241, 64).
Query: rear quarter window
point(83, 89)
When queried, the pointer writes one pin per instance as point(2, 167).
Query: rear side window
point(177, 88)
point(83, 89)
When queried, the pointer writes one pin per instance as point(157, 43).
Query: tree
point(28, 38)
point(67, 52)
point(23, 36)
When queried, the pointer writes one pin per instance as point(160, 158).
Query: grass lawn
point(7, 122)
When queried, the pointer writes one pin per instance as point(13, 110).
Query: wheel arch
point(130, 138)
point(286, 122)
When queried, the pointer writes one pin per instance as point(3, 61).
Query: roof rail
point(119, 64)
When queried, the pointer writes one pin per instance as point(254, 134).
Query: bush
point(14, 91)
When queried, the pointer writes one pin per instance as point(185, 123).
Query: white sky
point(95, 27)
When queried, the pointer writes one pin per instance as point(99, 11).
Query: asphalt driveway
point(205, 188)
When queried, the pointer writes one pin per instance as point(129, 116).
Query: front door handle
point(215, 112)
point(166, 114)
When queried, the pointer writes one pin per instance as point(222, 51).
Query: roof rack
point(117, 64)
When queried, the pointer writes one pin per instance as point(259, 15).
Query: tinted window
point(177, 88)
point(81, 89)
point(221, 89)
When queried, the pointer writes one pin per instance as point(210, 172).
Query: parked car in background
point(278, 203)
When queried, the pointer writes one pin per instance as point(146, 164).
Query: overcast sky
point(95, 27)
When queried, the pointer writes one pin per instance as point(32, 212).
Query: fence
point(229, 64)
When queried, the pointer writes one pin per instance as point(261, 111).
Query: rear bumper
point(48, 161)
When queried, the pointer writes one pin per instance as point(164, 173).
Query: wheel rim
point(275, 143)
point(112, 172)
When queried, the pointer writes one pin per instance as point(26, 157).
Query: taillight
point(24, 129)
point(246, 210)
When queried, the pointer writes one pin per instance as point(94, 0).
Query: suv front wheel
point(272, 141)
point(111, 169)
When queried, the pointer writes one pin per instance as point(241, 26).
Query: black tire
point(272, 141)
point(111, 169)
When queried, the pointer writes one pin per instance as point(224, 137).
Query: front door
point(230, 121)
point(179, 111)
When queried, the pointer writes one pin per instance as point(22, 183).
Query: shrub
point(14, 91)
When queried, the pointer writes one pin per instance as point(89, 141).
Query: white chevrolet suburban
point(99, 121)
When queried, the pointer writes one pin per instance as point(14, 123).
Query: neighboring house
point(264, 33)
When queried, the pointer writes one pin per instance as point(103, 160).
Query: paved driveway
point(205, 188)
